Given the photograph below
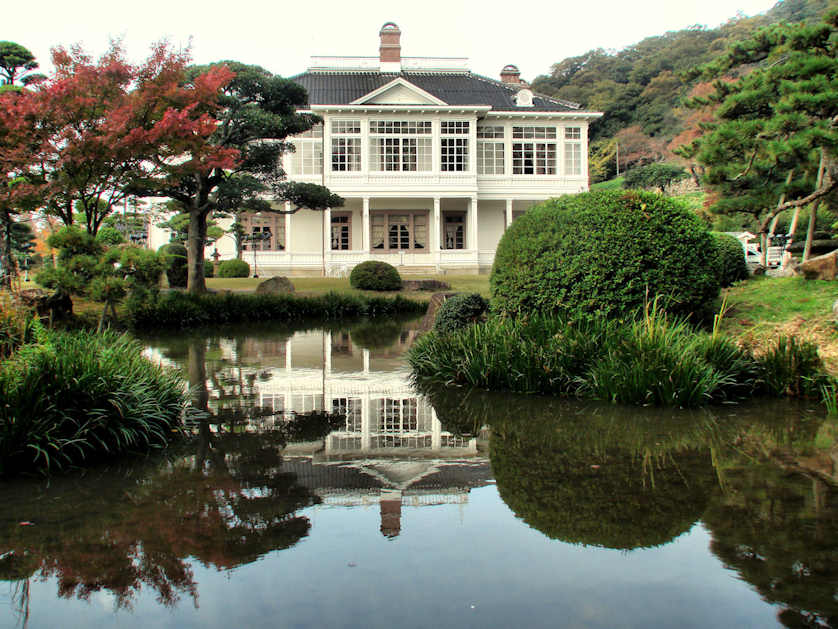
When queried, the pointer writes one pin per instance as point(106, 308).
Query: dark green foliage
point(209, 268)
point(16, 65)
point(460, 311)
point(75, 398)
point(604, 253)
point(109, 236)
point(178, 310)
point(174, 261)
point(730, 260)
point(233, 268)
point(375, 275)
point(793, 367)
point(141, 267)
point(376, 334)
point(657, 176)
point(652, 360)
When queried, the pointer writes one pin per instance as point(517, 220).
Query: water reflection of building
point(390, 448)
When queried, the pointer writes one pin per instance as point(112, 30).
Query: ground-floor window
point(263, 232)
point(341, 232)
point(399, 230)
point(454, 230)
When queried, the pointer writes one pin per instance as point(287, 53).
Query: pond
point(319, 489)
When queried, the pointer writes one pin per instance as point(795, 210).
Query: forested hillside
point(641, 88)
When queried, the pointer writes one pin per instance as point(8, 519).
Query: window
point(394, 231)
point(263, 232)
point(534, 158)
point(397, 416)
point(454, 230)
point(307, 158)
point(490, 155)
point(341, 232)
point(573, 151)
point(454, 151)
point(350, 407)
point(346, 151)
point(394, 146)
point(536, 133)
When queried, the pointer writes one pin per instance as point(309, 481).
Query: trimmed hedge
point(233, 268)
point(605, 253)
point(375, 275)
point(730, 260)
point(180, 310)
point(174, 260)
point(459, 311)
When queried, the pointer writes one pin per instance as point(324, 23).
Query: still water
point(319, 489)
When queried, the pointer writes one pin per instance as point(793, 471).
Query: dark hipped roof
point(455, 88)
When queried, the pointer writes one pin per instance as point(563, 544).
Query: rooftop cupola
point(510, 74)
point(390, 50)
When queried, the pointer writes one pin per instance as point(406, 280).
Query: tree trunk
point(6, 267)
point(810, 233)
point(196, 283)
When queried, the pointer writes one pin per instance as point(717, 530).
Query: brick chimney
point(391, 48)
point(510, 74)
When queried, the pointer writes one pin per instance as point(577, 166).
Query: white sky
point(282, 35)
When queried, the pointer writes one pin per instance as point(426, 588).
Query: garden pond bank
point(319, 489)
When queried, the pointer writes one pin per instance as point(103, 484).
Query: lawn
point(761, 308)
point(321, 285)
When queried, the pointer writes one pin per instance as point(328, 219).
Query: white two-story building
point(433, 160)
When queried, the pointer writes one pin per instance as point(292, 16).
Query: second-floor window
point(346, 145)
point(263, 232)
point(307, 158)
point(454, 145)
point(534, 150)
point(490, 150)
point(400, 146)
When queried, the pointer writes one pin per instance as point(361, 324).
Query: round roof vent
point(390, 26)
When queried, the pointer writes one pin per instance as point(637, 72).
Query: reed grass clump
point(653, 360)
point(181, 310)
point(73, 398)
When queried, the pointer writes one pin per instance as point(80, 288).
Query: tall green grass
point(72, 398)
point(653, 360)
point(182, 310)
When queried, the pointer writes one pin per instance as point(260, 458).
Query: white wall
point(491, 219)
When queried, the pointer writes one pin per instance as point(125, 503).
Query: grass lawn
point(762, 308)
point(321, 285)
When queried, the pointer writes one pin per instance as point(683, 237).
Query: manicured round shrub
point(375, 275)
point(109, 236)
point(209, 268)
point(730, 260)
point(233, 268)
point(174, 259)
point(459, 311)
point(605, 252)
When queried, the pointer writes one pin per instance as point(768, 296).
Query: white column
point(327, 237)
point(365, 228)
point(436, 431)
point(508, 213)
point(436, 233)
point(288, 227)
point(288, 356)
point(327, 359)
point(472, 224)
point(366, 421)
point(366, 354)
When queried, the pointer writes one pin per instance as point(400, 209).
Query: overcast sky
point(282, 35)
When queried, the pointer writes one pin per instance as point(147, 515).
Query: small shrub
point(209, 268)
point(792, 367)
point(233, 268)
point(375, 275)
point(730, 260)
point(460, 311)
point(175, 263)
point(604, 253)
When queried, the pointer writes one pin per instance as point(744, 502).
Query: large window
point(536, 157)
point(307, 158)
point(573, 151)
point(263, 232)
point(454, 145)
point(341, 232)
point(400, 146)
point(346, 145)
point(490, 150)
point(394, 230)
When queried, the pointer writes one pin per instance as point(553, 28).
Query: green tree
point(17, 65)
point(654, 176)
point(256, 112)
point(775, 134)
